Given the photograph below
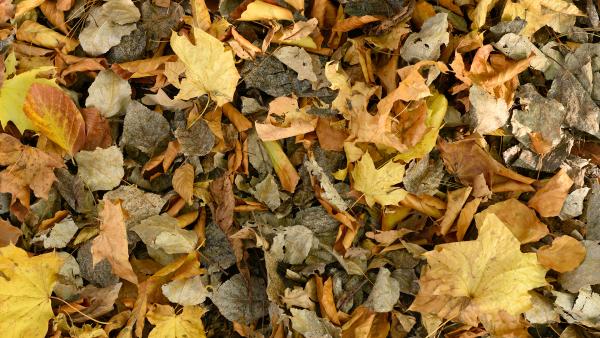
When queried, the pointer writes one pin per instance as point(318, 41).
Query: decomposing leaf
point(209, 68)
point(100, 169)
point(111, 242)
point(59, 235)
point(26, 285)
point(426, 44)
point(385, 293)
point(480, 277)
point(241, 301)
point(143, 128)
point(377, 185)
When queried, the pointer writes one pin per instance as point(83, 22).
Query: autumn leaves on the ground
point(291, 168)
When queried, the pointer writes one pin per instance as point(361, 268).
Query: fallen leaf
point(377, 185)
point(143, 128)
point(25, 289)
point(183, 182)
point(55, 115)
point(111, 242)
point(59, 235)
point(9, 233)
point(548, 201)
point(162, 232)
point(563, 255)
point(426, 44)
point(456, 201)
point(560, 15)
point(385, 293)
point(186, 292)
point(209, 68)
point(480, 277)
point(109, 93)
point(241, 301)
point(100, 169)
point(40, 35)
point(520, 219)
point(168, 324)
point(260, 10)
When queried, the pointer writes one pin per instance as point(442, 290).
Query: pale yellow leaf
point(187, 324)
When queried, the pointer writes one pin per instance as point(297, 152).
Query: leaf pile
point(299, 168)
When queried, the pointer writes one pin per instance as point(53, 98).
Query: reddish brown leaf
point(97, 130)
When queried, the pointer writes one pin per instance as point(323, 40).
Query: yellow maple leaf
point(209, 68)
point(26, 284)
point(170, 325)
point(12, 97)
point(479, 280)
point(377, 185)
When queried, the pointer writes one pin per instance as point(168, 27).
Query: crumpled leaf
point(55, 116)
point(469, 280)
point(487, 113)
point(25, 288)
point(100, 169)
point(377, 185)
point(296, 120)
point(189, 291)
point(28, 167)
point(12, 97)
point(426, 44)
point(59, 235)
point(111, 242)
point(168, 324)
point(106, 25)
point(209, 68)
point(241, 301)
point(565, 254)
point(560, 15)
point(585, 309)
point(109, 93)
point(423, 177)
point(162, 232)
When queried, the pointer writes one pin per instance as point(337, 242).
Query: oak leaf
point(377, 185)
point(209, 68)
point(479, 280)
point(55, 115)
point(111, 243)
point(26, 284)
point(172, 325)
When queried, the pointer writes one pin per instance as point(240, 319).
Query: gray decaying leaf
point(540, 115)
point(487, 113)
point(267, 192)
point(73, 191)
point(592, 214)
point(59, 235)
point(385, 293)
point(582, 113)
point(100, 169)
point(106, 25)
point(109, 93)
point(217, 249)
point(550, 162)
point(588, 273)
point(257, 155)
point(426, 44)
point(158, 22)
point(307, 323)
point(241, 301)
point(573, 205)
point(542, 310)
point(138, 204)
point(144, 129)
point(585, 309)
point(251, 106)
point(189, 291)
point(292, 244)
point(298, 60)
point(518, 47)
point(323, 225)
point(196, 140)
point(163, 232)
point(99, 274)
point(132, 47)
point(69, 278)
point(330, 194)
point(407, 279)
point(269, 75)
point(423, 177)
point(373, 7)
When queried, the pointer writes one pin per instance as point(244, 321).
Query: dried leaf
point(186, 292)
point(240, 300)
point(163, 232)
point(55, 115)
point(168, 324)
point(108, 93)
point(101, 169)
point(8, 233)
point(565, 254)
point(549, 200)
point(259, 10)
point(377, 185)
point(183, 182)
point(111, 242)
